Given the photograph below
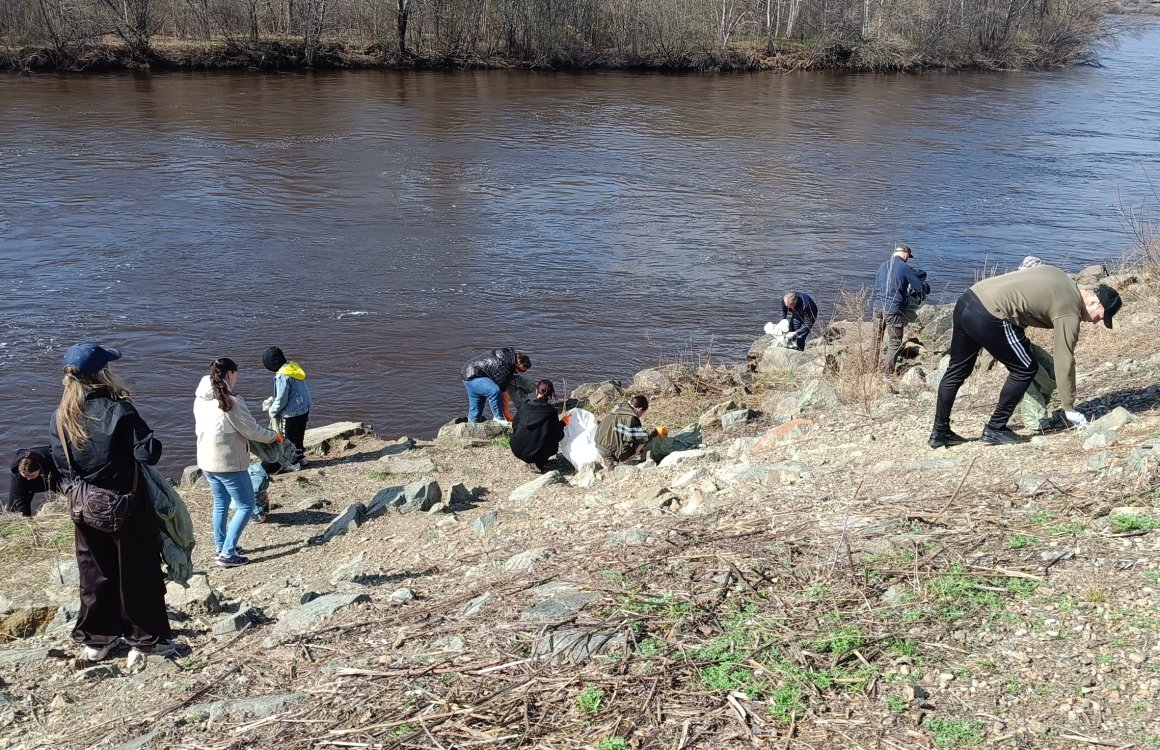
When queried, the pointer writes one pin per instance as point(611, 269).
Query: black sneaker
point(1002, 436)
point(945, 439)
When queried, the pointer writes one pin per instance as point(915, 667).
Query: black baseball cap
point(1111, 301)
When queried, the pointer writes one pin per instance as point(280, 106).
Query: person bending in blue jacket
point(895, 282)
point(801, 311)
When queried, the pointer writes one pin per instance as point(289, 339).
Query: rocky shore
point(812, 576)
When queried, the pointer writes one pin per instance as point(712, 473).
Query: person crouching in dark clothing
point(801, 311)
point(537, 429)
point(32, 472)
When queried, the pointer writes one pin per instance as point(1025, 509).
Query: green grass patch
point(613, 743)
point(1019, 541)
point(955, 732)
point(896, 703)
point(590, 700)
point(503, 441)
point(1133, 522)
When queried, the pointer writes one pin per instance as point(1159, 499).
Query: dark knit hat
point(273, 358)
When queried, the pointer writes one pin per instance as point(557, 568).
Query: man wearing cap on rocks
point(893, 286)
point(992, 315)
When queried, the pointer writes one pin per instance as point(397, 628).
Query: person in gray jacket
point(893, 286)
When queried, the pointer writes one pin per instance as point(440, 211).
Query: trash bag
point(780, 333)
point(685, 439)
point(579, 443)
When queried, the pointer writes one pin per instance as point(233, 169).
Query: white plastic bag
point(579, 443)
point(780, 333)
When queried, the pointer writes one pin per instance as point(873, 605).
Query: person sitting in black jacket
point(32, 472)
point(537, 429)
point(487, 377)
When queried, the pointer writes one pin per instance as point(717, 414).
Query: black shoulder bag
point(93, 506)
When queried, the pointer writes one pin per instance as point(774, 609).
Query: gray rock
point(586, 476)
point(654, 381)
point(559, 607)
point(620, 472)
point(737, 418)
point(66, 615)
point(1092, 274)
point(476, 605)
point(402, 595)
point(305, 617)
point(815, 395)
point(1056, 555)
point(139, 742)
point(1030, 484)
point(1144, 456)
point(680, 457)
point(99, 672)
point(527, 560)
point(438, 508)
point(601, 396)
point(635, 536)
point(191, 475)
point(384, 499)
point(1039, 441)
point(258, 708)
point(776, 359)
point(914, 377)
point(397, 447)
point(405, 465)
point(460, 495)
point(936, 322)
point(420, 496)
point(482, 524)
point(488, 430)
point(1100, 462)
point(233, 623)
point(33, 656)
point(1099, 440)
point(896, 594)
point(351, 570)
point(354, 514)
point(789, 472)
point(65, 573)
point(450, 643)
point(691, 476)
point(197, 598)
point(1113, 420)
point(529, 490)
point(577, 646)
point(319, 439)
point(744, 474)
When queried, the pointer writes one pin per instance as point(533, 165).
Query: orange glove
point(507, 407)
point(662, 430)
point(566, 419)
point(278, 438)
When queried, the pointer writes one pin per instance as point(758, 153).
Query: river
point(383, 227)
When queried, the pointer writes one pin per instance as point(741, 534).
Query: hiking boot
point(1003, 436)
point(944, 438)
point(232, 561)
point(96, 653)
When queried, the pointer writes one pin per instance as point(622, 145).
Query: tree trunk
point(404, 15)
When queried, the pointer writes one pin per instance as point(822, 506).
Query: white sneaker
point(96, 653)
point(502, 422)
point(137, 658)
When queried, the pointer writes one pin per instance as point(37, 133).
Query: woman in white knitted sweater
point(224, 428)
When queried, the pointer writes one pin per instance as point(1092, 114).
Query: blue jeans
point(479, 390)
point(226, 486)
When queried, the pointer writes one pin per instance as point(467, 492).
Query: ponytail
point(218, 370)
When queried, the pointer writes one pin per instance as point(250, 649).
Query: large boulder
point(601, 396)
point(936, 322)
point(464, 430)
point(813, 395)
point(655, 380)
point(321, 439)
point(420, 496)
point(776, 358)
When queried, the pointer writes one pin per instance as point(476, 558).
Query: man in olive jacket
point(991, 315)
point(621, 436)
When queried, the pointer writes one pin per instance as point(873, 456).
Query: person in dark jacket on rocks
point(32, 472)
point(537, 429)
point(801, 311)
point(895, 283)
point(487, 377)
point(121, 584)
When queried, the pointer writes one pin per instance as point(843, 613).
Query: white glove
point(1077, 419)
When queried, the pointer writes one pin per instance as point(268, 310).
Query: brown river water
point(383, 227)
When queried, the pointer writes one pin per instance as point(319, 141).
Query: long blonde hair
point(70, 414)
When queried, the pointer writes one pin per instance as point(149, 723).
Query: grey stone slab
point(419, 496)
point(308, 615)
point(32, 656)
point(476, 605)
point(354, 514)
point(577, 646)
point(527, 560)
point(559, 607)
point(481, 524)
point(258, 708)
point(529, 490)
point(320, 438)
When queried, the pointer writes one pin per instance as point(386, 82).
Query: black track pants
point(975, 328)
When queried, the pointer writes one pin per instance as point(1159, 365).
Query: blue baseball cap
point(89, 357)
